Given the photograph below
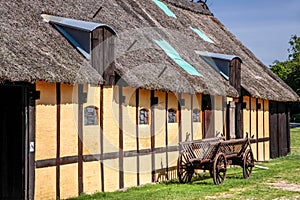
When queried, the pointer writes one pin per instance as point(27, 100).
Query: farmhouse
point(96, 95)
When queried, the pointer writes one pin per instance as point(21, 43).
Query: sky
point(264, 26)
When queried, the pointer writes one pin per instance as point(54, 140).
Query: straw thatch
point(32, 50)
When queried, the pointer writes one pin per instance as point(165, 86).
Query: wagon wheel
point(248, 163)
point(185, 169)
point(219, 169)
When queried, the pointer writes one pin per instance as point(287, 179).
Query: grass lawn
point(280, 181)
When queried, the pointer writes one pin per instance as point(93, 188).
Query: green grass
point(259, 186)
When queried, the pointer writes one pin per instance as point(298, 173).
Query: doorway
point(12, 142)
point(207, 116)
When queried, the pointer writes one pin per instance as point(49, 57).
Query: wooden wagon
point(214, 154)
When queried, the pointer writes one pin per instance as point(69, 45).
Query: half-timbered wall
point(256, 124)
point(97, 138)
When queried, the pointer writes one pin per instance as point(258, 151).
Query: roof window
point(174, 55)
point(165, 8)
point(202, 35)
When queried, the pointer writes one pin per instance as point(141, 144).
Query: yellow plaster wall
point(91, 177)
point(68, 181)
point(160, 161)
point(91, 133)
point(246, 116)
point(69, 121)
point(45, 183)
point(173, 127)
point(229, 99)
point(111, 119)
point(130, 172)
point(197, 126)
point(218, 114)
point(45, 146)
point(111, 175)
point(129, 123)
point(145, 169)
point(186, 116)
point(173, 156)
point(160, 119)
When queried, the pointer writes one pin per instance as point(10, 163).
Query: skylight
point(174, 55)
point(202, 35)
point(165, 8)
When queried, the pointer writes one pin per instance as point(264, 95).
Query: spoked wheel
point(219, 169)
point(185, 169)
point(248, 163)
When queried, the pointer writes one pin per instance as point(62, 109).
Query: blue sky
point(264, 26)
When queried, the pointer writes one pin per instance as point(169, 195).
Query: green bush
point(296, 118)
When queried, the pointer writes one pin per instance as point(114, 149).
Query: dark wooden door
point(12, 142)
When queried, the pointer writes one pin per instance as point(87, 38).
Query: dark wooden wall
point(279, 129)
point(235, 81)
point(102, 56)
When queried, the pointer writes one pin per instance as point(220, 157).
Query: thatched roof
point(32, 50)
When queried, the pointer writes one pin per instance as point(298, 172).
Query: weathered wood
point(200, 154)
point(274, 149)
point(103, 45)
point(101, 138)
point(152, 132)
point(80, 138)
point(257, 152)
point(166, 127)
point(31, 136)
point(179, 119)
point(58, 112)
point(137, 103)
point(235, 74)
point(121, 153)
point(106, 156)
point(239, 118)
point(192, 122)
point(235, 81)
point(97, 55)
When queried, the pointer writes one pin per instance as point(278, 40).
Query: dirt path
point(286, 186)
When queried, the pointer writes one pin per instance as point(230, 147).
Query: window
point(172, 116)
point(196, 115)
point(90, 115)
point(144, 116)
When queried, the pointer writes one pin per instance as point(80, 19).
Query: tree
point(289, 70)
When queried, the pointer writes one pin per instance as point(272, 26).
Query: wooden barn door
point(14, 107)
point(279, 129)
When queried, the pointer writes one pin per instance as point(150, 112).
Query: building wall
point(256, 123)
point(45, 178)
point(59, 171)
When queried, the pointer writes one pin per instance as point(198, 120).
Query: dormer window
point(77, 32)
point(219, 62)
point(88, 38)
